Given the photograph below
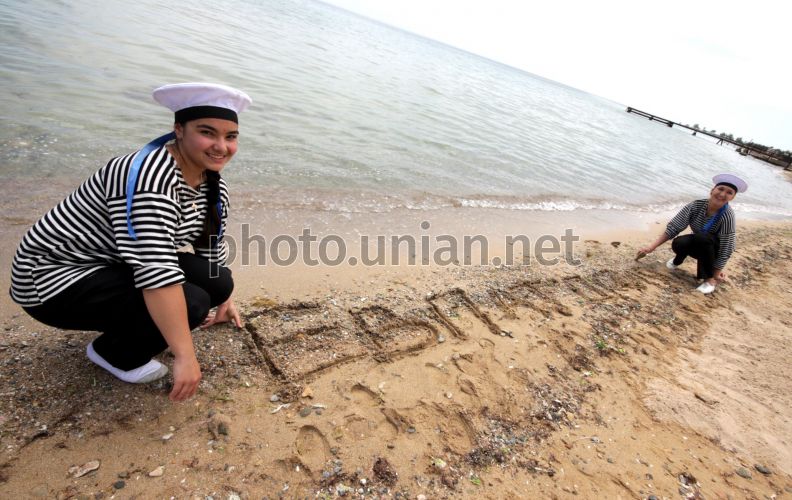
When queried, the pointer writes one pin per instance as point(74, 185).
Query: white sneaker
point(706, 288)
point(151, 371)
point(670, 264)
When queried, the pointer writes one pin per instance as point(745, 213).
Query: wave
point(369, 202)
point(557, 205)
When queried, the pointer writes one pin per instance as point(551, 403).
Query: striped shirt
point(694, 214)
point(88, 230)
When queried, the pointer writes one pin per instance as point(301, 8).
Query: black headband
point(196, 112)
point(729, 184)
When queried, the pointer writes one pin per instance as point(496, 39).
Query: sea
point(349, 115)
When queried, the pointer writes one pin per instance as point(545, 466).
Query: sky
point(724, 65)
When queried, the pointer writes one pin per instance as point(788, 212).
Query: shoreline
point(290, 282)
point(465, 380)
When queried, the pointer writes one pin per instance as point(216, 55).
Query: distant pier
point(745, 149)
point(651, 116)
point(670, 123)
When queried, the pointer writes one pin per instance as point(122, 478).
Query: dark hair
point(212, 222)
point(728, 184)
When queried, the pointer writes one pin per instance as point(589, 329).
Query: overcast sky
point(724, 65)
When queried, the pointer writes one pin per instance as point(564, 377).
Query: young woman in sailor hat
point(712, 241)
point(106, 258)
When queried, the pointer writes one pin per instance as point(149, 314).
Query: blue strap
point(714, 219)
point(134, 172)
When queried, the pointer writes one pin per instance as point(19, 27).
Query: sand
point(611, 379)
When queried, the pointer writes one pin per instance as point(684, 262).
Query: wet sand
point(611, 379)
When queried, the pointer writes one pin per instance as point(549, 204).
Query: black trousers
point(107, 301)
point(701, 246)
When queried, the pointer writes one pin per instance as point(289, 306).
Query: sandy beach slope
point(613, 379)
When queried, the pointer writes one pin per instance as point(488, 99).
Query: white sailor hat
point(191, 101)
point(731, 180)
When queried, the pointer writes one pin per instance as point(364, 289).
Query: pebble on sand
point(219, 425)
point(743, 472)
point(764, 470)
point(158, 472)
point(84, 469)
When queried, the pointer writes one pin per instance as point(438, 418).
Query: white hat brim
point(740, 184)
point(180, 96)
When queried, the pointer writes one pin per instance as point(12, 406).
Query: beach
point(433, 253)
point(606, 378)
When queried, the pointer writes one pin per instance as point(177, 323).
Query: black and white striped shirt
point(88, 230)
point(694, 214)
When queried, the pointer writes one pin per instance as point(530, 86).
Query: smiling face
point(721, 195)
point(206, 144)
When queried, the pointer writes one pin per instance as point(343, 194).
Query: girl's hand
point(643, 252)
point(186, 376)
point(226, 311)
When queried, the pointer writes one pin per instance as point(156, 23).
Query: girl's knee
point(703, 240)
point(198, 304)
point(222, 286)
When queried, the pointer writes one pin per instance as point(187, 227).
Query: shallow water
point(349, 115)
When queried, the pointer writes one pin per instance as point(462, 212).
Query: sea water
point(348, 115)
